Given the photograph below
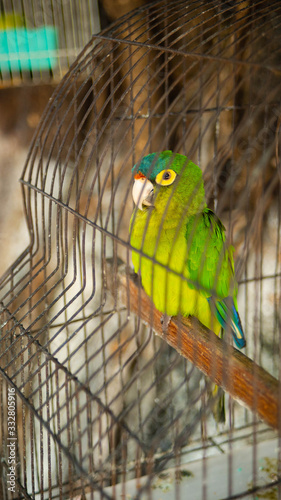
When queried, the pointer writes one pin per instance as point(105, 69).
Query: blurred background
point(58, 30)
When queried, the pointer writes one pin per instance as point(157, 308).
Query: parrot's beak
point(143, 192)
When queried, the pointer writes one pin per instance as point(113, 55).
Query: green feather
point(209, 262)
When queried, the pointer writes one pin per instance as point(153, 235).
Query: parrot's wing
point(209, 261)
point(210, 267)
point(227, 314)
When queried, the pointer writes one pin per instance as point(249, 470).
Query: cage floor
point(225, 468)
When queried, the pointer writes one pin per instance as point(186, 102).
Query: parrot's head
point(168, 179)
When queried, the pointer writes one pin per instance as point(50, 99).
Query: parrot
point(178, 245)
point(179, 250)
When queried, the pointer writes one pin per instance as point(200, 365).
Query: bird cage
point(98, 399)
point(40, 40)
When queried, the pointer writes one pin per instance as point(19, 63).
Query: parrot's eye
point(166, 177)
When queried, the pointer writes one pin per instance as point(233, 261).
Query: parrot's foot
point(165, 321)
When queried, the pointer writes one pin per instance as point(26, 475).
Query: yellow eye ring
point(165, 177)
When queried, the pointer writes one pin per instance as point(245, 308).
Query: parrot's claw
point(165, 321)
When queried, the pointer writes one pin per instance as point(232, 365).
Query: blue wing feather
point(227, 314)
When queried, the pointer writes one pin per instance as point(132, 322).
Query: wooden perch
point(229, 368)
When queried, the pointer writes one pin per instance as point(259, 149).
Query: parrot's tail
point(227, 314)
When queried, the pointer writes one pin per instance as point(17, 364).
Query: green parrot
point(184, 263)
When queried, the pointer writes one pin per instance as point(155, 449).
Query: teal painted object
point(23, 49)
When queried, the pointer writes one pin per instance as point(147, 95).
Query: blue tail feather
point(226, 314)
